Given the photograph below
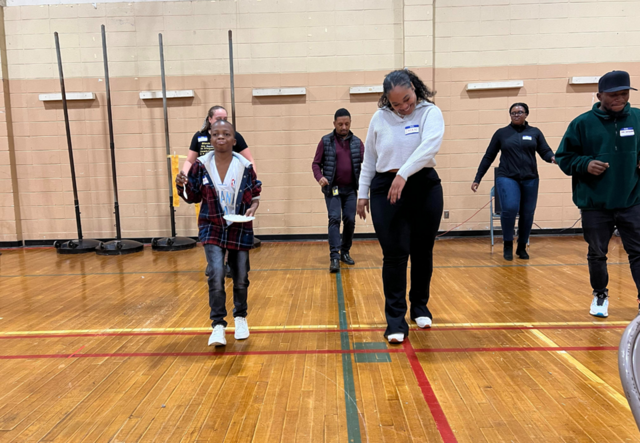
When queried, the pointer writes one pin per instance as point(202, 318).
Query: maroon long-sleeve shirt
point(344, 168)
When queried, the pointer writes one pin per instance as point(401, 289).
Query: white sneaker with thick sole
point(396, 338)
point(217, 336)
point(242, 328)
point(600, 306)
point(423, 322)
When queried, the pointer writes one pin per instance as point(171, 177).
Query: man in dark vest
point(336, 167)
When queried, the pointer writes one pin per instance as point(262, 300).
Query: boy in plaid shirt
point(224, 183)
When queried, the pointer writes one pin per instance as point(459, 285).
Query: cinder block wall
point(326, 46)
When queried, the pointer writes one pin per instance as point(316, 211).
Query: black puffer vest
point(330, 158)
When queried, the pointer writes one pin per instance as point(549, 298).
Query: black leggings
point(407, 228)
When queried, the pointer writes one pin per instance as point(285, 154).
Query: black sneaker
point(521, 251)
point(508, 250)
point(334, 266)
point(346, 258)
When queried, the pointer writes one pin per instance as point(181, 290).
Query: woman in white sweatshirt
point(398, 181)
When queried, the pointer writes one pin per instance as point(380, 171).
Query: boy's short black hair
point(341, 113)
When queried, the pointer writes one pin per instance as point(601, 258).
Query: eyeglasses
point(515, 114)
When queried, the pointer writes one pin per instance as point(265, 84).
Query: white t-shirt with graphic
point(226, 188)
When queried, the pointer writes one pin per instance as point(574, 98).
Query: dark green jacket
point(595, 135)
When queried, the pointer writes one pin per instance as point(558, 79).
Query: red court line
point(80, 349)
point(301, 331)
point(521, 349)
point(393, 350)
point(429, 395)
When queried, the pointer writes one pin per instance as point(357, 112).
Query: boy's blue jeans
point(517, 196)
point(239, 263)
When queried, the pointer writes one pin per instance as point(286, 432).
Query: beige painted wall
point(325, 46)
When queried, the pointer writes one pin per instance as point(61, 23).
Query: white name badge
point(526, 137)
point(414, 129)
point(626, 132)
point(205, 181)
point(203, 139)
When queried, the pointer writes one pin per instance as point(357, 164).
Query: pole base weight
point(119, 247)
point(256, 242)
point(173, 244)
point(76, 246)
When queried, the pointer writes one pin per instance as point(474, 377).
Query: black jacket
point(519, 145)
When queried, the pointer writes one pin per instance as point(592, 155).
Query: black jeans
point(598, 227)
point(342, 206)
point(239, 263)
point(407, 228)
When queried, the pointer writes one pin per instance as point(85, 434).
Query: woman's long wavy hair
point(207, 125)
point(404, 77)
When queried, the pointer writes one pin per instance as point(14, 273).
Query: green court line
point(302, 269)
point(377, 357)
point(353, 422)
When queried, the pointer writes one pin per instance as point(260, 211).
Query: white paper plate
point(236, 218)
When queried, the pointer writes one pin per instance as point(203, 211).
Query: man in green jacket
point(601, 151)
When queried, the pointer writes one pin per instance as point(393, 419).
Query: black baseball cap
point(615, 81)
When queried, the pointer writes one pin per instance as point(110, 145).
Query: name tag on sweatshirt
point(203, 139)
point(526, 137)
point(413, 129)
point(626, 132)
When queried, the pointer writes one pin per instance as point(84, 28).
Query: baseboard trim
point(305, 237)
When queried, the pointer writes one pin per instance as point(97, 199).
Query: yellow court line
point(303, 327)
point(109, 331)
point(522, 324)
point(584, 370)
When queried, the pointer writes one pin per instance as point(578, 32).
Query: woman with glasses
point(517, 176)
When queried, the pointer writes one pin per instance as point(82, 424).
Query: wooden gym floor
point(115, 349)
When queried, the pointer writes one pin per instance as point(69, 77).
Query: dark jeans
point(407, 228)
point(342, 206)
point(517, 196)
point(239, 263)
point(598, 227)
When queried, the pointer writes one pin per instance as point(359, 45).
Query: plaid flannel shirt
point(212, 227)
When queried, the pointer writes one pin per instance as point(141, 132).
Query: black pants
point(407, 228)
point(598, 227)
point(239, 263)
point(341, 206)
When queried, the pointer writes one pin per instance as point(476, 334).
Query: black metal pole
point(233, 94)
point(172, 243)
point(111, 141)
point(166, 137)
point(68, 130)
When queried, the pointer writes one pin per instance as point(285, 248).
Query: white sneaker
point(242, 328)
point(396, 338)
point(217, 336)
point(423, 322)
point(600, 305)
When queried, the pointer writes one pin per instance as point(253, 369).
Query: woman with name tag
point(399, 182)
point(200, 143)
point(517, 176)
